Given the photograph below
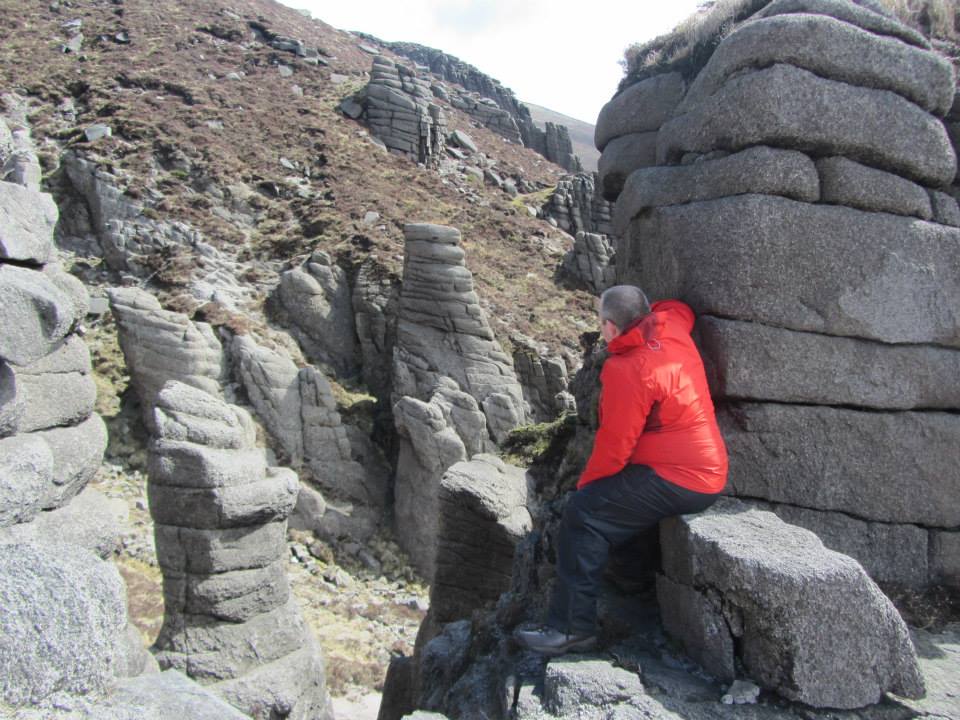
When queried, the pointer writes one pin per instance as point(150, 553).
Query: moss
point(538, 444)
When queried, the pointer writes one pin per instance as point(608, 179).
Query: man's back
point(655, 406)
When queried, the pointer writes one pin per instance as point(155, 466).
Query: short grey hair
point(623, 305)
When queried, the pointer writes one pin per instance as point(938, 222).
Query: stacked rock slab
point(317, 299)
point(399, 111)
point(299, 410)
point(220, 514)
point(544, 379)
point(742, 584)
point(455, 392)
point(488, 114)
point(51, 440)
point(798, 205)
point(578, 208)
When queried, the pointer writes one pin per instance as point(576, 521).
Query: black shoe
point(547, 641)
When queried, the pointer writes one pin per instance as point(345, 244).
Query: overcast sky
point(556, 53)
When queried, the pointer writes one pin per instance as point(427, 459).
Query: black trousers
point(598, 518)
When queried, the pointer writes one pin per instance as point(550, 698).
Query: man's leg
point(603, 515)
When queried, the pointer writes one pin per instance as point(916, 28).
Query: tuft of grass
point(531, 444)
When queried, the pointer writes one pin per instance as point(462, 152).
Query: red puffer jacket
point(655, 407)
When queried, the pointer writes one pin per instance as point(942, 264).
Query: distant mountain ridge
point(581, 133)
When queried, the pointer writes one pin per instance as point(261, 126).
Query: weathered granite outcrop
point(375, 298)
point(576, 206)
point(812, 126)
point(483, 516)
point(736, 573)
point(397, 105)
point(161, 345)
point(544, 379)
point(317, 299)
point(592, 261)
point(299, 410)
point(220, 523)
point(443, 332)
point(455, 392)
point(503, 112)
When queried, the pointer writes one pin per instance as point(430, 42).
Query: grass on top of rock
point(542, 443)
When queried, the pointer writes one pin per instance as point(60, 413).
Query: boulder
point(577, 206)
point(758, 170)
point(229, 619)
point(621, 157)
point(428, 446)
point(890, 553)
point(37, 314)
point(27, 220)
point(641, 107)
point(63, 623)
point(462, 140)
point(885, 467)
point(575, 687)
point(809, 624)
point(748, 360)
point(90, 521)
point(856, 14)
point(163, 696)
point(160, 345)
point(317, 299)
point(482, 516)
point(844, 182)
point(26, 475)
point(77, 453)
point(785, 106)
point(802, 267)
point(543, 377)
point(833, 49)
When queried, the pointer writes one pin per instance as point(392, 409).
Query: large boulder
point(785, 106)
point(38, 314)
point(873, 18)
point(641, 107)
point(27, 219)
point(761, 362)
point(801, 266)
point(483, 516)
point(886, 467)
point(808, 622)
point(229, 619)
point(63, 624)
point(833, 49)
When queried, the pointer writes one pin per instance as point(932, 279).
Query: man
point(658, 452)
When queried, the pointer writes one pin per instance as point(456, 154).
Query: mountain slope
point(581, 133)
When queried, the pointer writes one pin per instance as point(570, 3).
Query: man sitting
point(658, 452)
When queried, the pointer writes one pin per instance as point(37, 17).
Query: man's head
point(620, 306)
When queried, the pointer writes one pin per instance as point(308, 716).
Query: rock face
point(544, 379)
point(493, 105)
point(298, 408)
point(220, 523)
point(813, 125)
point(577, 208)
point(63, 624)
point(51, 441)
point(744, 574)
point(483, 516)
point(455, 391)
point(160, 345)
point(397, 106)
point(318, 300)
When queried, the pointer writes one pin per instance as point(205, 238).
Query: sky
point(560, 54)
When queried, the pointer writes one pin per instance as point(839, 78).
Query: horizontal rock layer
point(799, 266)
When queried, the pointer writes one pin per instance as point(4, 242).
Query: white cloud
point(561, 54)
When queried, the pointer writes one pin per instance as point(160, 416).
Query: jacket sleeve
point(625, 402)
point(678, 313)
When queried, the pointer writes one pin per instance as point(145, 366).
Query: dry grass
point(691, 43)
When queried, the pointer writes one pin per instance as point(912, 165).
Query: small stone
point(742, 692)
point(98, 131)
point(371, 217)
point(285, 70)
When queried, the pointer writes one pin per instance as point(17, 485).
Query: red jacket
point(655, 407)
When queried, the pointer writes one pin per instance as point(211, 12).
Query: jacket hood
point(643, 331)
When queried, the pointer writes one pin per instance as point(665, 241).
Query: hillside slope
point(581, 133)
